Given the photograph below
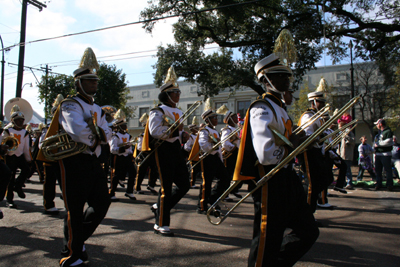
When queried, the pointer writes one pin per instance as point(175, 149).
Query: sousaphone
point(24, 106)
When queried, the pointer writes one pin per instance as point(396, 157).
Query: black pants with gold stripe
point(83, 181)
point(212, 168)
point(281, 204)
point(51, 176)
point(172, 170)
point(148, 167)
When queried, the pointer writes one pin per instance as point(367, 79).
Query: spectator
point(365, 159)
point(383, 144)
point(396, 156)
point(346, 152)
point(346, 118)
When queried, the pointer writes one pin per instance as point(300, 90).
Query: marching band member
point(168, 156)
point(83, 179)
point(280, 203)
point(312, 160)
point(148, 167)
point(194, 129)
point(212, 165)
point(5, 172)
point(105, 148)
point(19, 158)
point(230, 146)
point(122, 157)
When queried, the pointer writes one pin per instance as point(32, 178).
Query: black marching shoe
point(11, 204)
point(19, 191)
point(341, 190)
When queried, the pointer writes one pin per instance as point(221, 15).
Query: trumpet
point(11, 142)
point(216, 213)
point(175, 125)
point(214, 148)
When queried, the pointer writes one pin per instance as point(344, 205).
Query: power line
point(132, 23)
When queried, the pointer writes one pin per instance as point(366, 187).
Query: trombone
point(171, 129)
point(213, 210)
point(214, 148)
point(313, 118)
point(338, 130)
point(339, 137)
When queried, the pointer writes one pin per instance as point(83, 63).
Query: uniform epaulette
point(268, 104)
point(115, 134)
point(26, 133)
point(157, 108)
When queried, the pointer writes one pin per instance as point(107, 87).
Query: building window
point(193, 89)
point(196, 113)
point(242, 107)
point(142, 111)
point(341, 76)
point(145, 94)
point(220, 117)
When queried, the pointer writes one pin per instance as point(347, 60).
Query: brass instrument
point(216, 213)
point(339, 137)
point(131, 142)
point(227, 154)
point(144, 155)
point(214, 148)
point(61, 146)
point(24, 106)
point(313, 118)
point(11, 142)
point(338, 130)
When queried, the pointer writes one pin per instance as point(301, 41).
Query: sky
point(63, 55)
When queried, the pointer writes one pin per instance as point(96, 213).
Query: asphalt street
point(363, 229)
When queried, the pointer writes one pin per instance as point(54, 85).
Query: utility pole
point(22, 42)
point(353, 110)
point(47, 90)
point(2, 81)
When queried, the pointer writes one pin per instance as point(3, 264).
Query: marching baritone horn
point(11, 142)
point(310, 140)
point(61, 146)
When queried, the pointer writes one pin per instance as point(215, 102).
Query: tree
point(378, 99)
point(112, 89)
point(245, 33)
point(52, 85)
point(301, 105)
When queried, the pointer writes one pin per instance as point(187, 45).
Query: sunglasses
point(176, 91)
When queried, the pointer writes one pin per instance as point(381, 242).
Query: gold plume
point(58, 100)
point(171, 77)
point(28, 128)
point(207, 104)
point(15, 108)
point(41, 126)
point(285, 48)
point(195, 120)
point(120, 115)
point(222, 110)
point(89, 60)
point(144, 118)
point(322, 85)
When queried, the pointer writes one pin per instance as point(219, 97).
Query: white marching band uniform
point(73, 119)
point(156, 126)
point(117, 139)
point(204, 141)
point(23, 143)
point(228, 145)
point(267, 151)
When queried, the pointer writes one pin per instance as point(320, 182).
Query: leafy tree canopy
point(252, 28)
point(112, 89)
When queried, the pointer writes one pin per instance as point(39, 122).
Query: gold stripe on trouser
point(308, 178)
point(112, 175)
point(323, 196)
point(191, 175)
point(161, 208)
point(137, 178)
point(203, 188)
point(63, 182)
point(263, 222)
